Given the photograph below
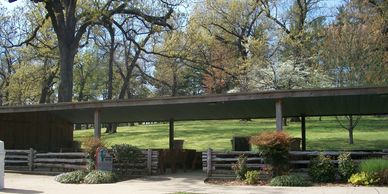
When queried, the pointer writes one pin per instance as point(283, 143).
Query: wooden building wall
point(42, 131)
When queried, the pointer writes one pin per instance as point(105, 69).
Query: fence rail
point(219, 164)
point(64, 161)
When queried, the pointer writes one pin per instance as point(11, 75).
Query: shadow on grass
point(21, 191)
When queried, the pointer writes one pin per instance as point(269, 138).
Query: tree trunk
point(111, 127)
point(285, 121)
point(350, 129)
point(351, 141)
point(47, 83)
point(67, 55)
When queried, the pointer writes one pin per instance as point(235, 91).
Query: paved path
point(187, 182)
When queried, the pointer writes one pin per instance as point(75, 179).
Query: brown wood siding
point(42, 131)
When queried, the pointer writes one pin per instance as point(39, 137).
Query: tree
point(71, 19)
point(354, 49)
point(238, 30)
point(352, 122)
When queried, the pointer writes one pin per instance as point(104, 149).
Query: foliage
point(289, 180)
point(240, 168)
point(364, 178)
point(126, 152)
point(74, 177)
point(251, 177)
point(321, 169)
point(99, 177)
point(346, 166)
point(374, 165)
point(274, 147)
point(90, 146)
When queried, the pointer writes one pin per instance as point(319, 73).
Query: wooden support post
point(209, 166)
point(303, 130)
point(97, 123)
point(149, 161)
point(31, 156)
point(171, 134)
point(279, 115)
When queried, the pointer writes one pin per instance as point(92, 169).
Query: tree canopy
point(68, 50)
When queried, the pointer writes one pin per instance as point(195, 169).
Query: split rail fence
point(219, 164)
point(30, 160)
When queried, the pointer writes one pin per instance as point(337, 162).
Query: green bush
point(74, 177)
point(251, 177)
point(364, 178)
point(126, 152)
point(321, 169)
point(240, 168)
point(273, 146)
point(346, 166)
point(99, 176)
point(289, 180)
point(374, 165)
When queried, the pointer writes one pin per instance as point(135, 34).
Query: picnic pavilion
point(50, 126)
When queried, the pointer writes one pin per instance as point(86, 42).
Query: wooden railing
point(147, 164)
point(67, 160)
point(300, 160)
point(20, 159)
point(219, 164)
point(31, 160)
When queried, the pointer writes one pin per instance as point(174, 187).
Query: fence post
point(31, 159)
point(149, 161)
point(209, 162)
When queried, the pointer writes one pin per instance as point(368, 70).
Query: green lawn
point(371, 133)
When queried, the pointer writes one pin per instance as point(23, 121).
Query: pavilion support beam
point(97, 123)
point(279, 115)
point(171, 134)
point(303, 131)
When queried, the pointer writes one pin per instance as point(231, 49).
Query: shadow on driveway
point(21, 191)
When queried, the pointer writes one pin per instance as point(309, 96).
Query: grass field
point(371, 133)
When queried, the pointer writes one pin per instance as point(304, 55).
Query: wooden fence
point(300, 160)
point(20, 159)
point(219, 164)
point(31, 160)
point(146, 164)
point(66, 160)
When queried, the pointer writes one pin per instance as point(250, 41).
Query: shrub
point(363, 178)
point(374, 165)
point(251, 177)
point(99, 176)
point(240, 168)
point(346, 166)
point(274, 147)
point(321, 169)
point(90, 146)
point(289, 180)
point(126, 152)
point(74, 177)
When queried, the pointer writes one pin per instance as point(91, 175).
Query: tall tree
point(71, 19)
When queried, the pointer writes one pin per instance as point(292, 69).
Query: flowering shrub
point(273, 146)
